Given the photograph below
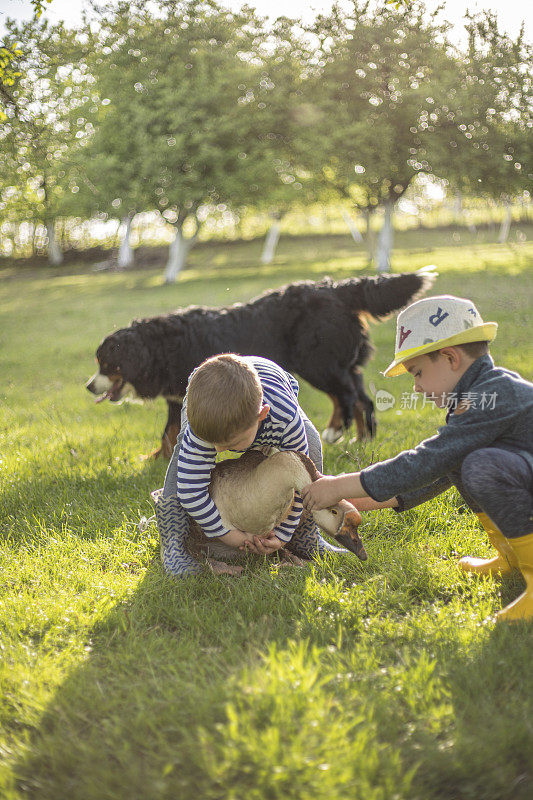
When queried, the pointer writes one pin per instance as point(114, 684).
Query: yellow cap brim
point(481, 333)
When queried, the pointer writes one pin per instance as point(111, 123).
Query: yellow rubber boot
point(503, 563)
point(522, 607)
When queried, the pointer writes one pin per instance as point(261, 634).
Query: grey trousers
point(490, 480)
point(500, 484)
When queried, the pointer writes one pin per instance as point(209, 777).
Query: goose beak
point(348, 535)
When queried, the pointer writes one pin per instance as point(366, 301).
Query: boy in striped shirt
point(235, 403)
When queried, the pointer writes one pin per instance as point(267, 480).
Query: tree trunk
point(356, 236)
point(125, 253)
point(461, 215)
point(458, 207)
point(64, 243)
point(177, 254)
point(506, 224)
point(369, 235)
point(385, 239)
point(470, 225)
point(524, 213)
point(55, 256)
point(271, 240)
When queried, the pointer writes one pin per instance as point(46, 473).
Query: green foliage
point(9, 68)
point(378, 83)
point(39, 6)
point(193, 110)
point(398, 3)
point(397, 99)
point(42, 134)
point(181, 120)
point(343, 679)
point(8, 72)
point(486, 146)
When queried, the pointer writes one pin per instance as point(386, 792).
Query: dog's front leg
point(170, 434)
point(172, 428)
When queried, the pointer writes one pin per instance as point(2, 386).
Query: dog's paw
point(153, 455)
point(330, 435)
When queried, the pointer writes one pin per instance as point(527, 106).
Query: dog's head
point(121, 367)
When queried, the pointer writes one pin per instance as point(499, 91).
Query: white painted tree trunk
point(125, 252)
point(177, 255)
point(271, 242)
point(506, 224)
point(356, 235)
point(55, 256)
point(385, 239)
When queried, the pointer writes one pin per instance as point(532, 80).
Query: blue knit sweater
point(500, 415)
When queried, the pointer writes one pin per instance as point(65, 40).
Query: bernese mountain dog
point(315, 329)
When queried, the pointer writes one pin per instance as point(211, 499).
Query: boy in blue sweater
point(485, 449)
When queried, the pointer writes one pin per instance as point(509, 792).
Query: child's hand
point(236, 538)
point(263, 545)
point(249, 543)
point(323, 493)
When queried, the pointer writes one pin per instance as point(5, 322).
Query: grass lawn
point(377, 680)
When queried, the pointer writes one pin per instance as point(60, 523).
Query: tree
point(487, 146)
point(280, 115)
point(226, 127)
point(181, 87)
point(40, 136)
point(378, 84)
point(10, 53)
point(113, 174)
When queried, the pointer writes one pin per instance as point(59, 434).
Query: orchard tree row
point(189, 107)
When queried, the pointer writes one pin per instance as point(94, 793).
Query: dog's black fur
point(316, 329)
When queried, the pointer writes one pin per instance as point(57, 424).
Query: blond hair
point(224, 398)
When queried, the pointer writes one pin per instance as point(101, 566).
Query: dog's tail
point(383, 294)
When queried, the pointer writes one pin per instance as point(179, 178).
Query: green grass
point(377, 680)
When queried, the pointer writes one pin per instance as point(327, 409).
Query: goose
point(255, 492)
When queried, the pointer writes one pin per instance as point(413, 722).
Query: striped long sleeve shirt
point(283, 428)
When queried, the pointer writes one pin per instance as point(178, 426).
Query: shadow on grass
point(222, 286)
point(125, 723)
point(488, 752)
point(235, 277)
point(210, 687)
point(85, 505)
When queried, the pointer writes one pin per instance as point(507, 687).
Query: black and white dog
point(315, 329)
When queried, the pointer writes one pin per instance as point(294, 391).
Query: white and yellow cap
point(436, 322)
